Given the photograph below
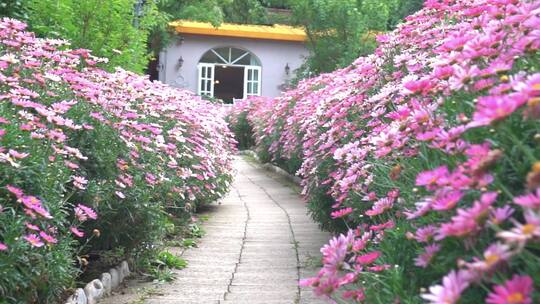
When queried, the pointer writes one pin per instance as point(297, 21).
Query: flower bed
point(92, 161)
point(425, 154)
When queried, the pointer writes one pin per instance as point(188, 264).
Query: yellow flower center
point(528, 229)
point(536, 167)
point(492, 259)
point(536, 86)
point(516, 297)
point(533, 102)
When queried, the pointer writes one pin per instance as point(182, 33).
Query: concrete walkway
point(259, 242)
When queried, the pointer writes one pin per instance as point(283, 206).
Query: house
point(232, 61)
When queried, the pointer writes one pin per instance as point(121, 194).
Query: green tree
point(13, 9)
point(110, 29)
point(339, 31)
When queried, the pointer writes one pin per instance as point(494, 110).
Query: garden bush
point(93, 162)
point(424, 158)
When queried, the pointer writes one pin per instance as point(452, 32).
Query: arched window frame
point(206, 71)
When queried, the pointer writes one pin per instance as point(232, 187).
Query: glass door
point(205, 85)
point(252, 81)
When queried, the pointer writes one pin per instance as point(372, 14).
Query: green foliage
point(339, 31)
point(243, 132)
point(170, 260)
point(108, 28)
point(13, 9)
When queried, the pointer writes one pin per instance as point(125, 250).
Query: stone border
point(102, 287)
point(272, 168)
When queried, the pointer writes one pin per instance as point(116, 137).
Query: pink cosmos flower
point(433, 177)
point(355, 295)
point(32, 227)
point(80, 182)
point(425, 234)
point(468, 221)
point(77, 232)
point(380, 206)
point(335, 251)
point(85, 211)
point(424, 259)
point(494, 108)
point(341, 213)
point(34, 240)
point(18, 155)
point(48, 238)
point(494, 255)
point(446, 199)
point(3, 247)
point(522, 233)
point(531, 200)
point(515, 291)
point(450, 291)
point(16, 191)
point(150, 178)
point(368, 258)
point(498, 215)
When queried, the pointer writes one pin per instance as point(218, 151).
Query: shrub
point(92, 161)
point(429, 152)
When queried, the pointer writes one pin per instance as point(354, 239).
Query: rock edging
point(102, 287)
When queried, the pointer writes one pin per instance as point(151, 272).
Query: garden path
point(259, 241)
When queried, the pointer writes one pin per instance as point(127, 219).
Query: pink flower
point(368, 258)
point(77, 232)
point(150, 178)
point(493, 256)
point(32, 227)
point(16, 191)
point(515, 291)
point(341, 213)
point(499, 215)
point(335, 251)
point(418, 87)
point(18, 155)
point(468, 221)
point(120, 194)
point(446, 199)
point(80, 182)
point(494, 108)
point(433, 177)
point(82, 212)
point(424, 259)
point(380, 206)
point(450, 291)
point(355, 295)
point(522, 233)
point(531, 200)
point(34, 240)
point(3, 247)
point(48, 238)
point(425, 234)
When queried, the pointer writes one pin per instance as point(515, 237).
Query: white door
point(205, 85)
point(252, 81)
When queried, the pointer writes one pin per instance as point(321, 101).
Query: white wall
point(274, 55)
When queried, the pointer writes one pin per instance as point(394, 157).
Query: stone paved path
point(258, 243)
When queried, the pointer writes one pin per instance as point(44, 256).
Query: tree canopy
point(132, 32)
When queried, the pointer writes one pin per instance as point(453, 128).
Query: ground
point(259, 241)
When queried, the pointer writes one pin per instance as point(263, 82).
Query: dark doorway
point(228, 83)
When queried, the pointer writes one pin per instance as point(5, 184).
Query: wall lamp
point(180, 62)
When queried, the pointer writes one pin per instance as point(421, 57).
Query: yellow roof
point(274, 32)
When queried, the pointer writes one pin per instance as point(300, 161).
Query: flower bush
point(424, 157)
point(92, 161)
